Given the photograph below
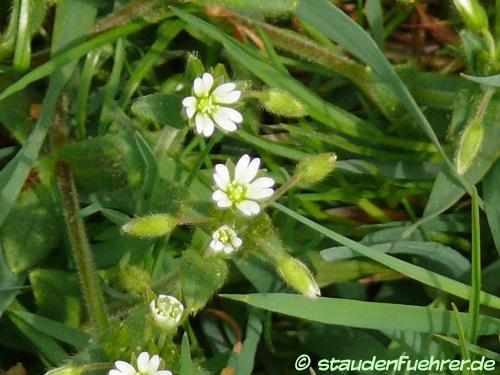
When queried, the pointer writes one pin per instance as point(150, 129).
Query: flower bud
point(469, 146)
point(472, 13)
point(298, 276)
point(282, 103)
point(151, 226)
point(134, 279)
point(167, 311)
point(315, 168)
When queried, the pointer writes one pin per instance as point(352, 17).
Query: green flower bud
point(315, 168)
point(167, 311)
point(134, 279)
point(298, 276)
point(194, 68)
point(469, 145)
point(472, 13)
point(282, 103)
point(151, 226)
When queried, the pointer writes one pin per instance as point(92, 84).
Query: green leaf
point(10, 284)
point(246, 358)
point(375, 17)
point(335, 24)
point(32, 214)
point(417, 273)
point(201, 277)
point(262, 6)
point(186, 365)
point(472, 348)
point(55, 329)
point(362, 314)
point(492, 81)
point(49, 283)
point(444, 258)
point(160, 108)
point(491, 182)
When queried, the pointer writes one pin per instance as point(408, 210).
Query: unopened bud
point(151, 226)
point(134, 279)
point(167, 311)
point(472, 13)
point(282, 103)
point(316, 168)
point(298, 276)
point(469, 146)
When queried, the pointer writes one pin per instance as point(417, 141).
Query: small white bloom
point(243, 191)
point(207, 106)
point(225, 239)
point(167, 311)
point(145, 366)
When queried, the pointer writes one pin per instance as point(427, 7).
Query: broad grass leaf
point(354, 313)
point(492, 81)
point(491, 183)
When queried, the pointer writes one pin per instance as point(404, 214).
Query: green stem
point(213, 140)
point(22, 52)
point(81, 249)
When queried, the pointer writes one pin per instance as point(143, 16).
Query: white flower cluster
point(146, 365)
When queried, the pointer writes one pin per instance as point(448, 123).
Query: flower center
point(206, 105)
point(166, 309)
point(224, 236)
point(237, 191)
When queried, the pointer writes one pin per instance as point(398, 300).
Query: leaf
point(10, 284)
point(492, 81)
point(417, 273)
point(445, 259)
point(200, 278)
point(362, 314)
point(491, 182)
point(375, 17)
point(160, 108)
point(49, 283)
point(32, 214)
point(332, 22)
point(246, 358)
point(186, 365)
point(55, 329)
point(262, 6)
point(73, 20)
point(472, 348)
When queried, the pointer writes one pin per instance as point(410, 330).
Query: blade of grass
point(375, 17)
point(339, 27)
point(186, 365)
point(471, 348)
point(246, 358)
point(491, 182)
point(361, 314)
point(22, 52)
point(417, 273)
point(492, 81)
point(474, 303)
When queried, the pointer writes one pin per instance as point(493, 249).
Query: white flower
point(225, 239)
point(145, 366)
point(242, 191)
point(207, 108)
point(167, 311)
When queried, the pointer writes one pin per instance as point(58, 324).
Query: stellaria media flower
point(207, 107)
point(167, 311)
point(244, 190)
point(146, 365)
point(225, 239)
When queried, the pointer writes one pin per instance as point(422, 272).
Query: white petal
point(208, 129)
point(262, 182)
point(116, 372)
point(208, 82)
point(200, 123)
point(224, 88)
point(223, 175)
point(154, 363)
point(190, 111)
point(198, 87)
point(248, 208)
point(236, 242)
point(231, 114)
point(222, 199)
point(189, 101)
point(216, 245)
point(228, 248)
point(227, 98)
point(143, 362)
point(163, 372)
point(125, 367)
point(251, 172)
point(224, 123)
point(241, 167)
point(260, 193)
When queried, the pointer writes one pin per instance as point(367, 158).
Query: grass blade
point(476, 272)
